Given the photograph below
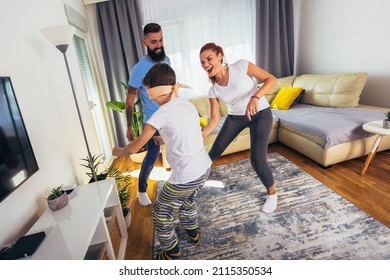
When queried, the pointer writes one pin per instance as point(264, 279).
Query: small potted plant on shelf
point(57, 198)
point(386, 122)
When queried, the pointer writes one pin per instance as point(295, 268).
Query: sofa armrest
point(202, 105)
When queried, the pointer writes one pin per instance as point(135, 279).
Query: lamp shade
point(59, 36)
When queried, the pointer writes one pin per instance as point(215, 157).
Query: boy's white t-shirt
point(237, 93)
point(178, 124)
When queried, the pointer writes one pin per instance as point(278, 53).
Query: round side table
point(375, 127)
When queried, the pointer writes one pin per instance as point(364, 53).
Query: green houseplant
point(57, 198)
point(136, 124)
point(124, 198)
point(122, 181)
point(94, 164)
point(138, 117)
point(386, 122)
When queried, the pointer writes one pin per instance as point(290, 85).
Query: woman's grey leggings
point(260, 129)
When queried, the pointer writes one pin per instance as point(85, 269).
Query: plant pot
point(127, 215)
point(386, 124)
point(59, 202)
point(99, 177)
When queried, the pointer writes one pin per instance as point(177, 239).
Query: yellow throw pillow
point(203, 122)
point(285, 98)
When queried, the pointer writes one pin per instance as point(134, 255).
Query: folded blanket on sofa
point(334, 125)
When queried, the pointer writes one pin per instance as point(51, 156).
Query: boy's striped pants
point(173, 198)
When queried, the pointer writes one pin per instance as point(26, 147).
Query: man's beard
point(156, 57)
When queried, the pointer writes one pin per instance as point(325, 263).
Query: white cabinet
point(81, 230)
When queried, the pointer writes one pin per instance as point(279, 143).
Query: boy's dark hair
point(161, 74)
point(152, 28)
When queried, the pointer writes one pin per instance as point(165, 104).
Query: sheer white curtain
point(188, 25)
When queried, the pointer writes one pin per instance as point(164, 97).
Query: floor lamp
point(60, 37)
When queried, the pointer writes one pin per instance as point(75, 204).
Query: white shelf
point(79, 230)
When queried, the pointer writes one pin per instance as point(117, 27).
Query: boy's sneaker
point(194, 234)
point(172, 254)
point(163, 255)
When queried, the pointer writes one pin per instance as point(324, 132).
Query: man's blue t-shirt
point(136, 76)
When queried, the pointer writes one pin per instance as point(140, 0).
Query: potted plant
point(122, 181)
point(386, 122)
point(110, 172)
point(57, 198)
point(138, 117)
point(136, 124)
point(124, 198)
point(93, 164)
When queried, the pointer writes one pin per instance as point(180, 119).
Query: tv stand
point(81, 230)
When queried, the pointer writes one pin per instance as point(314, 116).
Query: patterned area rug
point(311, 221)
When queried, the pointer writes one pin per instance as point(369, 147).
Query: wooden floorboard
point(371, 193)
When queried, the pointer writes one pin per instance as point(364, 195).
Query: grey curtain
point(275, 36)
point(120, 32)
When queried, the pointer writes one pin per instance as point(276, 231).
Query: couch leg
point(325, 167)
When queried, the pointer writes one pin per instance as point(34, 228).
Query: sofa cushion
point(203, 122)
point(202, 105)
point(298, 98)
point(281, 82)
point(332, 126)
point(285, 98)
point(332, 90)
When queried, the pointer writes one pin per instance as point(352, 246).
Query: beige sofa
point(321, 91)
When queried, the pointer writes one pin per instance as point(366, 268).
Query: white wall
point(43, 91)
point(342, 36)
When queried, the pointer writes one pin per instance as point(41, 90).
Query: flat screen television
point(17, 159)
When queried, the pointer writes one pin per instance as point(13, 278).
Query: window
point(188, 25)
point(90, 80)
point(92, 94)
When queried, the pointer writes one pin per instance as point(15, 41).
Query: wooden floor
point(371, 193)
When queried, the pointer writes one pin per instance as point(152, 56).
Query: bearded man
point(153, 40)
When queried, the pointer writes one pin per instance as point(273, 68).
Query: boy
point(178, 124)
